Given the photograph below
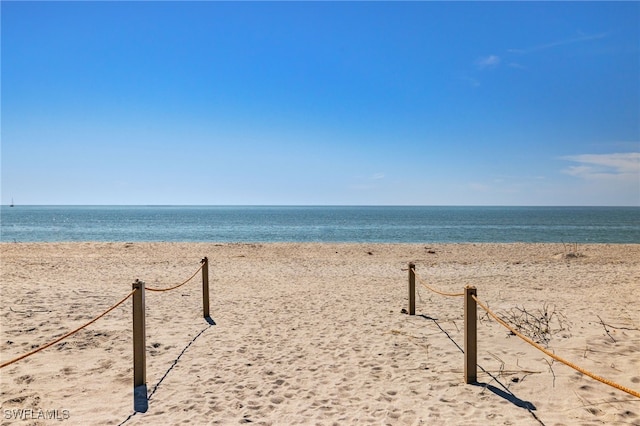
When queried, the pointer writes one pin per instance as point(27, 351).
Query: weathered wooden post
point(412, 289)
point(205, 287)
point(470, 336)
point(139, 336)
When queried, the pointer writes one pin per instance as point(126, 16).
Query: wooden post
point(412, 289)
point(470, 336)
point(139, 336)
point(205, 287)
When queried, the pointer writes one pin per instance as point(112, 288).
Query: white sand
point(314, 334)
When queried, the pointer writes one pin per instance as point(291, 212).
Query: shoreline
point(313, 332)
point(423, 242)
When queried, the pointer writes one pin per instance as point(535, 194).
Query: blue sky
point(365, 103)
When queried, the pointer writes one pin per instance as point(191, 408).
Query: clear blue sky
point(413, 103)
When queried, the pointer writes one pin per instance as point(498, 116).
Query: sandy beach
point(315, 334)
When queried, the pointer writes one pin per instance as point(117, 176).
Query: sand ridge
point(314, 334)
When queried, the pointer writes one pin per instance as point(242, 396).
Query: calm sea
point(320, 224)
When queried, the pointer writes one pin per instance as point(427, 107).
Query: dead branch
point(606, 329)
point(552, 372)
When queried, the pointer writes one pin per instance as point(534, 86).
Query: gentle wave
point(394, 224)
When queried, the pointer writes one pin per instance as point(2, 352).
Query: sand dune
point(314, 334)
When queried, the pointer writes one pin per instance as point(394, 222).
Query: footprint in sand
point(67, 371)
point(24, 379)
point(277, 400)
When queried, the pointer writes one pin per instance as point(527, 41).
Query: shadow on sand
point(509, 396)
point(141, 396)
point(506, 394)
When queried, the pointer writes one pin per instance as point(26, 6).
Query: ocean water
point(320, 224)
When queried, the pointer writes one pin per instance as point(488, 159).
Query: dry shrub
point(539, 325)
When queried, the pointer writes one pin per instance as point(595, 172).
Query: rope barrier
point(442, 293)
point(68, 334)
point(554, 356)
point(179, 285)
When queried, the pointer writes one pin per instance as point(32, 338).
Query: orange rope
point(554, 356)
point(442, 293)
point(179, 285)
point(68, 334)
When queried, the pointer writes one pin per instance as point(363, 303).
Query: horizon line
point(316, 205)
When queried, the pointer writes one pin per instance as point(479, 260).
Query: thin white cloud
point(490, 61)
point(367, 183)
point(494, 61)
point(580, 38)
point(605, 166)
point(517, 66)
